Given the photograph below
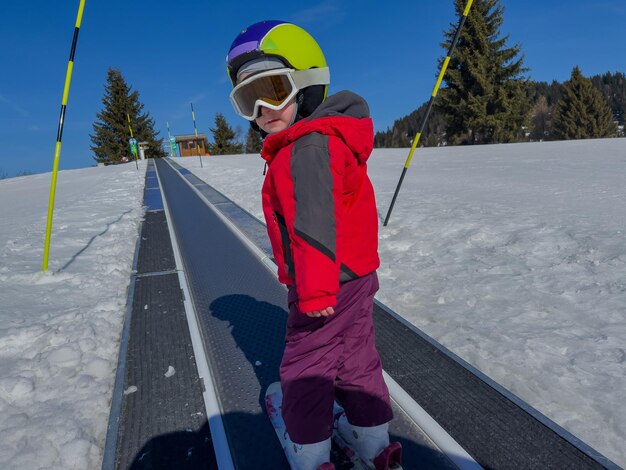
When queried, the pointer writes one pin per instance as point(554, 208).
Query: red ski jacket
point(318, 201)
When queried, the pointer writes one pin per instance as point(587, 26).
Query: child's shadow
point(258, 329)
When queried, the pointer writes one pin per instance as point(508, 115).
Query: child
point(321, 219)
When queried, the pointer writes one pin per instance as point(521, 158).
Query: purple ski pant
point(333, 358)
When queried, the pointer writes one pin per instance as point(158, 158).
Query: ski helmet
point(287, 42)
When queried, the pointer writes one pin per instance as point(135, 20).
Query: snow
point(513, 256)
point(170, 372)
point(60, 330)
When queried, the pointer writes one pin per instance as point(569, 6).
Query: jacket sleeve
point(314, 223)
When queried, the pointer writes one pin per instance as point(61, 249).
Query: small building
point(191, 145)
point(143, 146)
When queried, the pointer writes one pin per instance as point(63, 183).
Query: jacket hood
point(344, 115)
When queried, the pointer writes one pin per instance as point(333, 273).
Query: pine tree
point(551, 91)
point(253, 141)
point(540, 123)
point(582, 112)
point(542, 97)
point(224, 138)
point(111, 135)
point(613, 87)
point(485, 98)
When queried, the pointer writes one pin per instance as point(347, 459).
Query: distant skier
point(321, 219)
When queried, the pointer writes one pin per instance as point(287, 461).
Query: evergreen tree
point(542, 97)
point(253, 141)
point(403, 131)
point(551, 91)
point(111, 135)
point(613, 87)
point(224, 138)
point(540, 125)
point(485, 98)
point(582, 112)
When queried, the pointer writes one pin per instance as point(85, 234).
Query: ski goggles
point(273, 89)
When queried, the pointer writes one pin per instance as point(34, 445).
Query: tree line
point(122, 111)
point(487, 98)
point(5, 175)
point(226, 140)
point(591, 114)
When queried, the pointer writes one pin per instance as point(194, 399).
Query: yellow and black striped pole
point(193, 116)
point(57, 149)
point(134, 152)
point(430, 105)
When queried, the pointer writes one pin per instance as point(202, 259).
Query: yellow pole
point(57, 149)
point(416, 140)
point(129, 128)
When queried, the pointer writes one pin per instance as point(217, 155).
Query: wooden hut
point(191, 145)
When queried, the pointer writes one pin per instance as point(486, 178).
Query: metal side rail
point(461, 409)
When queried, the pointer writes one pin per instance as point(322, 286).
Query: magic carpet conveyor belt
point(240, 310)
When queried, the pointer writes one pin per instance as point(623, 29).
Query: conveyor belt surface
point(158, 418)
point(498, 429)
point(241, 311)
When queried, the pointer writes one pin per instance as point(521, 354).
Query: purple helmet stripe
point(250, 39)
point(241, 49)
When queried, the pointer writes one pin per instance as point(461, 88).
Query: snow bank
point(59, 330)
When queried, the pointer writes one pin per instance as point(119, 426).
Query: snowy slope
point(513, 256)
point(59, 331)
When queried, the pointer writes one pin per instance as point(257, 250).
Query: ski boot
point(309, 456)
point(371, 444)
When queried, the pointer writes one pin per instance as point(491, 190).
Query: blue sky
point(173, 54)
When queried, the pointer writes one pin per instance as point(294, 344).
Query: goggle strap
point(309, 77)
